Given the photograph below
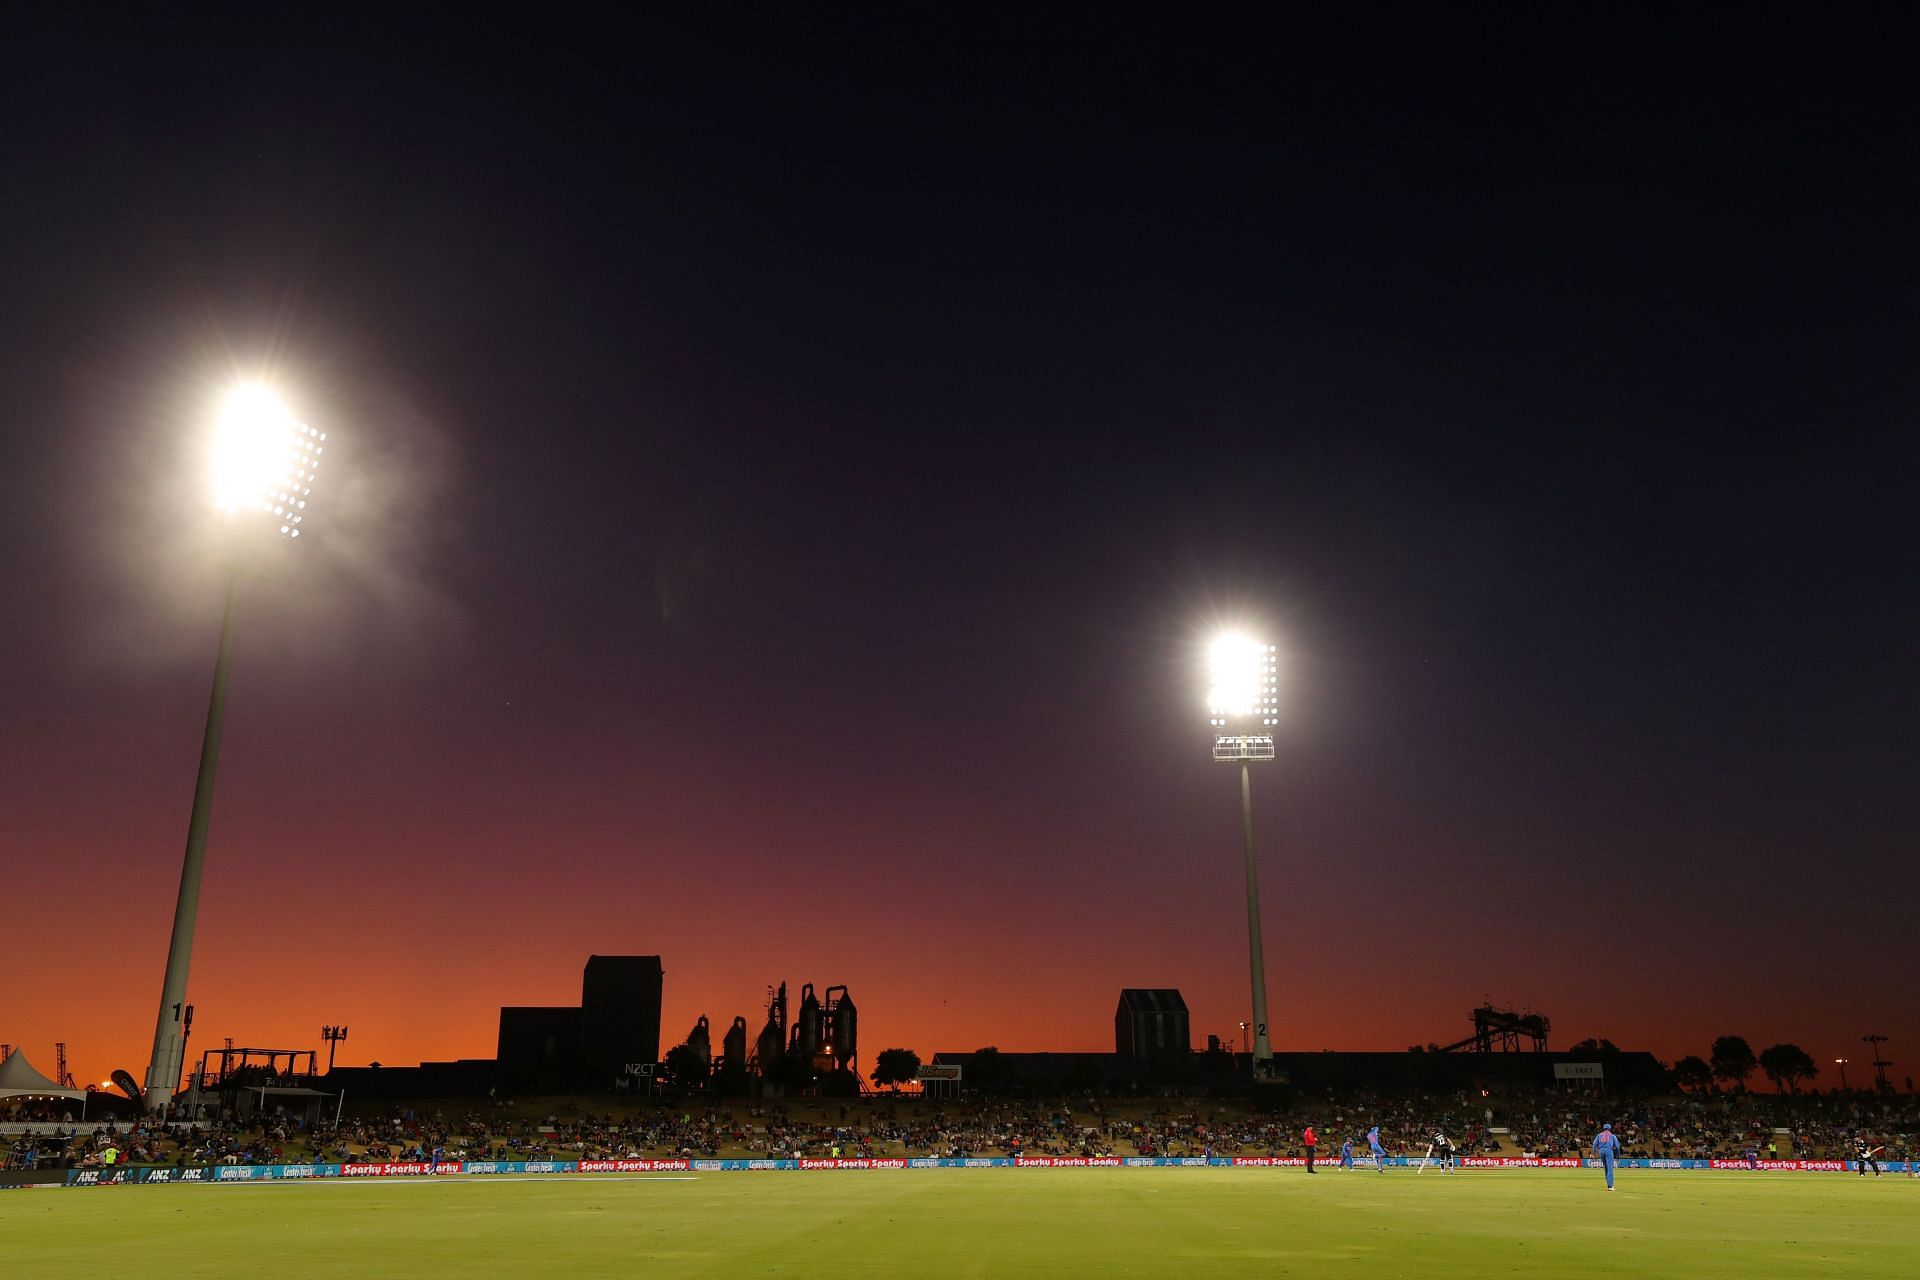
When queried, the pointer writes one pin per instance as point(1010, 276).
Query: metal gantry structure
point(1502, 1031)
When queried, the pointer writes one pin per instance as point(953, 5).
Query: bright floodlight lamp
point(265, 459)
point(1243, 694)
point(1244, 681)
point(264, 463)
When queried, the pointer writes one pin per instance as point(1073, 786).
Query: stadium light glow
point(261, 457)
point(1243, 680)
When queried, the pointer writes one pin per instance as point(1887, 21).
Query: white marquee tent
point(18, 1079)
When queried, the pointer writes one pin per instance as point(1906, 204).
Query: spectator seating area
point(1726, 1125)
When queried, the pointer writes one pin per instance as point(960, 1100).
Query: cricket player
point(1379, 1152)
point(1866, 1155)
point(1443, 1153)
point(1346, 1153)
point(1607, 1148)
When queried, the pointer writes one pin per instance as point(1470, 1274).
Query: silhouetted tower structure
point(773, 1037)
point(842, 1028)
point(823, 1035)
point(701, 1043)
point(808, 1028)
point(61, 1076)
point(1880, 1064)
point(733, 1049)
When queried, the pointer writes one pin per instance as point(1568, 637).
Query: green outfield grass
point(1001, 1222)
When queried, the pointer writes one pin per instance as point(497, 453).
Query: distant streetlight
point(1842, 1064)
point(1243, 694)
point(264, 461)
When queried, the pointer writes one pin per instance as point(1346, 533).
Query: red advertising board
point(398, 1169)
point(635, 1166)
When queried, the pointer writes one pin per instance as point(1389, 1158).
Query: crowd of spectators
point(1730, 1126)
point(1724, 1125)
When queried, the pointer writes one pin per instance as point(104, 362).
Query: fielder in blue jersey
point(1379, 1152)
point(1607, 1147)
point(1346, 1153)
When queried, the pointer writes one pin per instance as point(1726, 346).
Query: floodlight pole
point(333, 1036)
point(169, 1033)
point(1262, 1046)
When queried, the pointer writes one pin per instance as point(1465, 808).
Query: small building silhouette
point(1150, 1025)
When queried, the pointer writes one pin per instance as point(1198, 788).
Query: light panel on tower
point(264, 459)
point(1243, 682)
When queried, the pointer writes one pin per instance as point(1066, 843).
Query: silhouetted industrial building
point(620, 1014)
point(824, 1036)
point(546, 1048)
point(1150, 1025)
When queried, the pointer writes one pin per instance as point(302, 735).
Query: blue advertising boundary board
point(128, 1175)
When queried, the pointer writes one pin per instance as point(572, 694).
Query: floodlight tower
point(333, 1036)
point(1880, 1064)
point(264, 462)
point(1243, 695)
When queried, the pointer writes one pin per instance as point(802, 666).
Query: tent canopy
point(18, 1079)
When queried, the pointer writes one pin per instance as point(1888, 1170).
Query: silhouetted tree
point(1693, 1074)
point(1591, 1045)
point(1732, 1060)
point(1804, 1069)
point(895, 1067)
point(1787, 1065)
